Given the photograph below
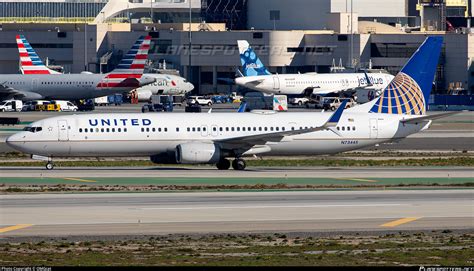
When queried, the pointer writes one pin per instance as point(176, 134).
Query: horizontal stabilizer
point(428, 118)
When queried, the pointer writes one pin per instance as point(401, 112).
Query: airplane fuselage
point(102, 135)
point(67, 86)
point(298, 84)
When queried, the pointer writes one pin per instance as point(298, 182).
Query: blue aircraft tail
point(251, 63)
point(410, 90)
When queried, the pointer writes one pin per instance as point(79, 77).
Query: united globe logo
point(403, 96)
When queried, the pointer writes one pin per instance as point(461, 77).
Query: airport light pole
point(190, 40)
point(352, 35)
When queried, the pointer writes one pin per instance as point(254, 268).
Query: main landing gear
point(237, 164)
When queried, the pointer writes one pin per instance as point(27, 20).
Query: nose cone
point(13, 141)
point(190, 87)
point(146, 80)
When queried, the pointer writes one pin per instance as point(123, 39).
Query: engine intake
point(198, 153)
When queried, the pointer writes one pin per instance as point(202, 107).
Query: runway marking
point(357, 180)
point(400, 222)
point(80, 180)
point(268, 207)
point(16, 227)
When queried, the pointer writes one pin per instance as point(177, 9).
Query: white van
point(66, 106)
point(11, 106)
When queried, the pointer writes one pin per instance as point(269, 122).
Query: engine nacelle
point(144, 95)
point(166, 158)
point(198, 153)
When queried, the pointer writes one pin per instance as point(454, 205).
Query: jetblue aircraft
point(257, 77)
point(39, 82)
point(183, 138)
point(164, 85)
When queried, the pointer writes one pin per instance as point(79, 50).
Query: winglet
point(242, 108)
point(334, 120)
point(369, 83)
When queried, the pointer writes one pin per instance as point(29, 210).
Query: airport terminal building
point(92, 35)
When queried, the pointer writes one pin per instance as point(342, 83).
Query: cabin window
point(125, 130)
point(233, 129)
point(188, 129)
point(343, 128)
point(102, 130)
point(119, 130)
point(338, 128)
point(353, 128)
point(221, 129)
point(254, 129)
point(108, 130)
point(159, 130)
point(260, 129)
point(153, 130)
point(80, 130)
point(292, 128)
point(238, 129)
point(266, 129)
point(113, 130)
point(199, 129)
point(271, 128)
point(214, 129)
point(226, 129)
point(283, 128)
point(166, 129)
point(243, 129)
point(143, 130)
point(194, 129)
point(278, 128)
point(348, 128)
point(177, 129)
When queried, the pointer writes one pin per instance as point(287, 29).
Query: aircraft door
point(204, 131)
point(63, 130)
point(276, 82)
point(34, 84)
point(374, 128)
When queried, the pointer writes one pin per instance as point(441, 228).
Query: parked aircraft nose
point(190, 87)
point(146, 80)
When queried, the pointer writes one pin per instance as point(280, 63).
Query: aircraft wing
point(255, 82)
point(5, 90)
point(428, 118)
point(262, 139)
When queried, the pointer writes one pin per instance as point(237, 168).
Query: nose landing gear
point(50, 165)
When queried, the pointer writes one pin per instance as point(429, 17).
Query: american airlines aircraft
point(39, 82)
point(257, 77)
point(213, 138)
point(164, 85)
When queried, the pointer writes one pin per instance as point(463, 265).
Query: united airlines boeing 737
point(184, 138)
point(39, 82)
point(257, 77)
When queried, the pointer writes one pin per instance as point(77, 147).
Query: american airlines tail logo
point(31, 63)
point(403, 96)
point(130, 68)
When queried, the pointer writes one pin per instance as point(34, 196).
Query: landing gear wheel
point(239, 164)
point(49, 166)
point(223, 164)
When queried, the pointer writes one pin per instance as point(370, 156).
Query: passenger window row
point(103, 130)
point(348, 128)
point(154, 130)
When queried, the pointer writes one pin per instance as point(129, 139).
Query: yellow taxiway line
point(14, 228)
point(399, 222)
point(357, 180)
point(80, 180)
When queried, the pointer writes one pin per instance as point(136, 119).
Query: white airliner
point(212, 138)
point(38, 82)
point(257, 77)
point(164, 85)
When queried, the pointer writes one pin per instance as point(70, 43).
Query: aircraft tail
point(30, 61)
point(251, 63)
point(409, 91)
point(131, 67)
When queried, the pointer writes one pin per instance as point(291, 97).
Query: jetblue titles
point(119, 122)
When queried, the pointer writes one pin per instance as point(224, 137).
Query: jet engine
point(198, 153)
point(144, 95)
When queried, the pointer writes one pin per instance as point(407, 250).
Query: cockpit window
point(33, 129)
